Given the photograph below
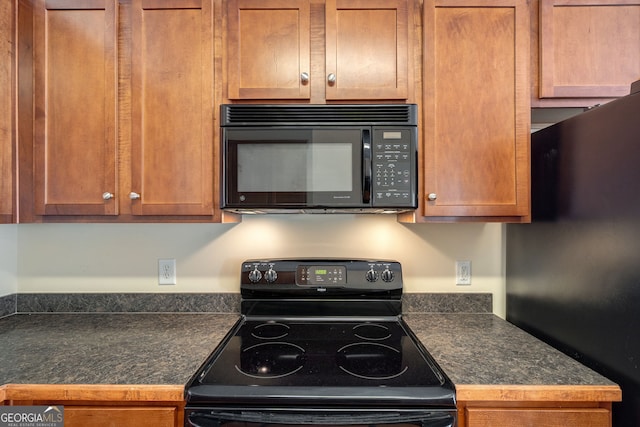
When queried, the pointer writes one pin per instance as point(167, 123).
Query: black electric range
point(320, 342)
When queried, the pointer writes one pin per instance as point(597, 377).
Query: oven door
point(285, 417)
point(296, 167)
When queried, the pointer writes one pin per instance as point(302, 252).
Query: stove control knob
point(387, 275)
point(255, 275)
point(372, 275)
point(270, 275)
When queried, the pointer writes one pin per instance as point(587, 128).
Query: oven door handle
point(337, 418)
point(366, 166)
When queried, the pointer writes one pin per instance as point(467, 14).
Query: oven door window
point(320, 418)
point(293, 167)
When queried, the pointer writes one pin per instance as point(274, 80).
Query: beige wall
point(8, 259)
point(123, 257)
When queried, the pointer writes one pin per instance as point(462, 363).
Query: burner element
point(372, 361)
point(271, 360)
point(270, 331)
point(371, 331)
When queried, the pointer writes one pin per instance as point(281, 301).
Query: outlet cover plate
point(463, 272)
point(167, 271)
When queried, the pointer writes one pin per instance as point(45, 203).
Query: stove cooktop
point(320, 333)
point(322, 362)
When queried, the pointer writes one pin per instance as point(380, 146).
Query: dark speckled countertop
point(485, 349)
point(118, 348)
point(167, 348)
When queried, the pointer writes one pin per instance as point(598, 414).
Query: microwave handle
point(366, 166)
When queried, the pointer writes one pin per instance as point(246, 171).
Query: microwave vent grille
point(267, 115)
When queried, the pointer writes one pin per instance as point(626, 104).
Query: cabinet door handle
point(304, 78)
point(432, 196)
point(106, 195)
point(331, 79)
point(134, 196)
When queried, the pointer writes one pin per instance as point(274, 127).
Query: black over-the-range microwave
point(319, 158)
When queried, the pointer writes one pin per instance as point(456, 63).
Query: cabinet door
point(82, 416)
point(366, 49)
point(172, 108)
point(7, 170)
point(588, 48)
point(268, 54)
point(75, 120)
point(476, 108)
point(569, 417)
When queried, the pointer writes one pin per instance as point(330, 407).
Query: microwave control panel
point(393, 167)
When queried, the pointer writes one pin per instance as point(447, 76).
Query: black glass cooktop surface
point(321, 361)
point(319, 334)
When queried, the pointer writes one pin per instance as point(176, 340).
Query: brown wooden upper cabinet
point(476, 110)
point(286, 49)
point(123, 123)
point(172, 158)
point(7, 131)
point(589, 51)
point(75, 79)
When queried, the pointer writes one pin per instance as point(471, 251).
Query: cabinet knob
point(106, 195)
point(432, 196)
point(134, 196)
point(331, 78)
point(304, 78)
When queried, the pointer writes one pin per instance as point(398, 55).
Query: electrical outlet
point(463, 272)
point(167, 271)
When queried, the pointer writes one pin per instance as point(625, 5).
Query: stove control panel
point(321, 275)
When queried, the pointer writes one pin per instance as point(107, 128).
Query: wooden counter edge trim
point(175, 393)
point(562, 393)
point(93, 392)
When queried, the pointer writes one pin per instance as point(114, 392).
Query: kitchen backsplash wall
point(123, 258)
point(8, 259)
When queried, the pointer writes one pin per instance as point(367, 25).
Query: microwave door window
point(330, 167)
point(336, 171)
point(272, 167)
point(295, 167)
point(297, 172)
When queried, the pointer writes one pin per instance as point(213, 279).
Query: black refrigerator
point(573, 274)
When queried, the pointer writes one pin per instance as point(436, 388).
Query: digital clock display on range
point(324, 275)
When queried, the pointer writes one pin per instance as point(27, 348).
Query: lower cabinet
point(536, 405)
point(97, 416)
point(547, 417)
point(104, 405)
